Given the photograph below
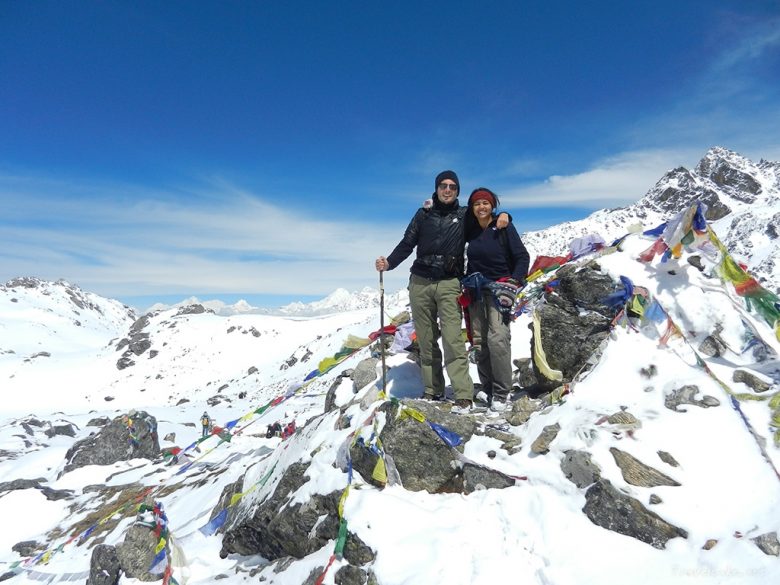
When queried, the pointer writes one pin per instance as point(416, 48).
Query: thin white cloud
point(756, 41)
point(615, 181)
point(121, 241)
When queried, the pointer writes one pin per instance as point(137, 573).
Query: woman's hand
point(382, 264)
point(502, 220)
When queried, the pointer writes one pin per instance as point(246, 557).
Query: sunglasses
point(448, 186)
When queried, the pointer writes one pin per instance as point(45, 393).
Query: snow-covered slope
point(743, 200)
point(253, 369)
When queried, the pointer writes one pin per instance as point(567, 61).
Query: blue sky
point(150, 151)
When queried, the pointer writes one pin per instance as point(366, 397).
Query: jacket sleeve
point(520, 254)
point(406, 246)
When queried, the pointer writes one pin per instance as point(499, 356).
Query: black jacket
point(497, 256)
point(438, 234)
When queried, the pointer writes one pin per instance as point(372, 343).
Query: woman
point(437, 232)
point(497, 266)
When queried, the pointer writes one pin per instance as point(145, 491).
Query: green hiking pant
point(434, 302)
point(492, 339)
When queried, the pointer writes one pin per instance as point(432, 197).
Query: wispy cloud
point(120, 240)
point(614, 181)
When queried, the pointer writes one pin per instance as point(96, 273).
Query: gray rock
point(477, 477)
point(655, 499)
point(668, 459)
point(357, 552)
point(751, 381)
point(124, 362)
point(364, 374)
point(67, 430)
point(349, 575)
point(522, 409)
point(713, 346)
point(104, 566)
point(136, 553)
point(611, 509)
point(252, 370)
point(523, 376)
point(687, 395)
point(194, 309)
point(578, 468)
point(768, 543)
point(27, 548)
point(330, 397)
point(637, 473)
point(100, 421)
point(624, 418)
point(542, 443)
point(52, 494)
point(170, 437)
point(140, 343)
point(115, 442)
point(21, 484)
point(275, 528)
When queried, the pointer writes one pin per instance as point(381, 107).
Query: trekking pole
point(382, 327)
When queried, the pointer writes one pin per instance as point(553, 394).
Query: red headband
point(483, 194)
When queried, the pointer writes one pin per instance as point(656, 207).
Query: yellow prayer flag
point(380, 473)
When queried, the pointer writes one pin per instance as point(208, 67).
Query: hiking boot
point(499, 406)
point(482, 396)
point(462, 406)
point(433, 397)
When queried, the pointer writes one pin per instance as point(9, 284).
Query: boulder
point(275, 528)
point(421, 458)
point(104, 566)
point(579, 468)
point(637, 473)
point(126, 437)
point(609, 508)
point(522, 409)
point(136, 553)
point(574, 322)
point(364, 374)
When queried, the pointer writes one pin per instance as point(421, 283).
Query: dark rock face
point(137, 342)
point(275, 529)
point(126, 437)
point(720, 171)
point(677, 189)
point(104, 566)
point(611, 509)
point(573, 321)
point(579, 468)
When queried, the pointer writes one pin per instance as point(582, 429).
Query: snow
point(534, 532)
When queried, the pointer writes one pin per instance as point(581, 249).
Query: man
point(205, 422)
point(438, 233)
